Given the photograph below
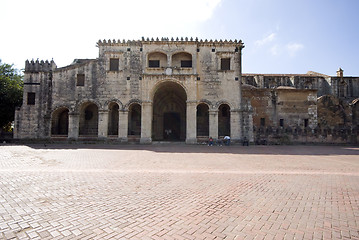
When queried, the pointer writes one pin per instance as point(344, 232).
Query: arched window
point(157, 59)
point(182, 59)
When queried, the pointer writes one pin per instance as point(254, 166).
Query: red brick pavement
point(179, 192)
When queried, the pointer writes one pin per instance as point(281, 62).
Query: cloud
point(77, 25)
point(265, 40)
point(274, 50)
point(293, 48)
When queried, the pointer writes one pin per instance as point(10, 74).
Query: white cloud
point(265, 40)
point(69, 29)
point(293, 48)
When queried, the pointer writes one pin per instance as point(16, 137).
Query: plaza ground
point(177, 191)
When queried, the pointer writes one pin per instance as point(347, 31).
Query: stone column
point(213, 123)
point(250, 126)
point(102, 123)
point(146, 122)
point(235, 125)
point(191, 122)
point(74, 120)
point(123, 125)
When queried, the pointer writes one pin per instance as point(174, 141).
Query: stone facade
point(173, 90)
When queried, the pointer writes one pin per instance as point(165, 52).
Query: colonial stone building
point(173, 90)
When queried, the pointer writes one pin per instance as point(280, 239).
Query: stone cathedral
point(182, 90)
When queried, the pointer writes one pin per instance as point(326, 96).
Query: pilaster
point(123, 125)
point(74, 119)
point(146, 122)
point(191, 121)
point(102, 123)
point(213, 123)
point(235, 125)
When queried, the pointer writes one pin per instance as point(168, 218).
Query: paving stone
point(178, 192)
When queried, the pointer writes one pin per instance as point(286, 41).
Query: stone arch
point(155, 56)
point(219, 103)
point(160, 83)
point(60, 121)
point(202, 119)
point(113, 118)
point(88, 118)
point(207, 102)
point(224, 120)
point(129, 103)
point(182, 59)
point(134, 118)
point(114, 100)
point(81, 103)
point(169, 111)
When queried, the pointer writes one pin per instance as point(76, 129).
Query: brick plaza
point(178, 191)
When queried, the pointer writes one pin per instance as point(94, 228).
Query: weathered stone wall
point(33, 120)
point(133, 81)
point(95, 97)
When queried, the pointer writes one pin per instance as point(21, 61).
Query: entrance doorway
point(172, 126)
point(169, 112)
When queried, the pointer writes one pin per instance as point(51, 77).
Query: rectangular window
point(154, 63)
point(186, 63)
point(281, 122)
point(80, 80)
point(114, 62)
point(30, 98)
point(225, 64)
point(263, 122)
point(306, 122)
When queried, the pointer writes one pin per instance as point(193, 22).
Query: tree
point(11, 84)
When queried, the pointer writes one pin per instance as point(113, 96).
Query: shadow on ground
point(233, 149)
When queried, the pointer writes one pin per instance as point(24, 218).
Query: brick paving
point(178, 192)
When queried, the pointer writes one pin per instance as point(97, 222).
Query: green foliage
point(11, 85)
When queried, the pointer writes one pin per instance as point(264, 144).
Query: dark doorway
point(202, 120)
point(171, 125)
point(134, 119)
point(224, 120)
point(169, 112)
point(60, 122)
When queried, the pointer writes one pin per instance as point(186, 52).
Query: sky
point(280, 36)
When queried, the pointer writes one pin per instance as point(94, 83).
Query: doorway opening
point(169, 113)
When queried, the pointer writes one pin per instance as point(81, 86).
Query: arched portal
point(89, 119)
point(224, 120)
point(134, 119)
point(169, 112)
point(60, 122)
point(202, 120)
point(113, 119)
